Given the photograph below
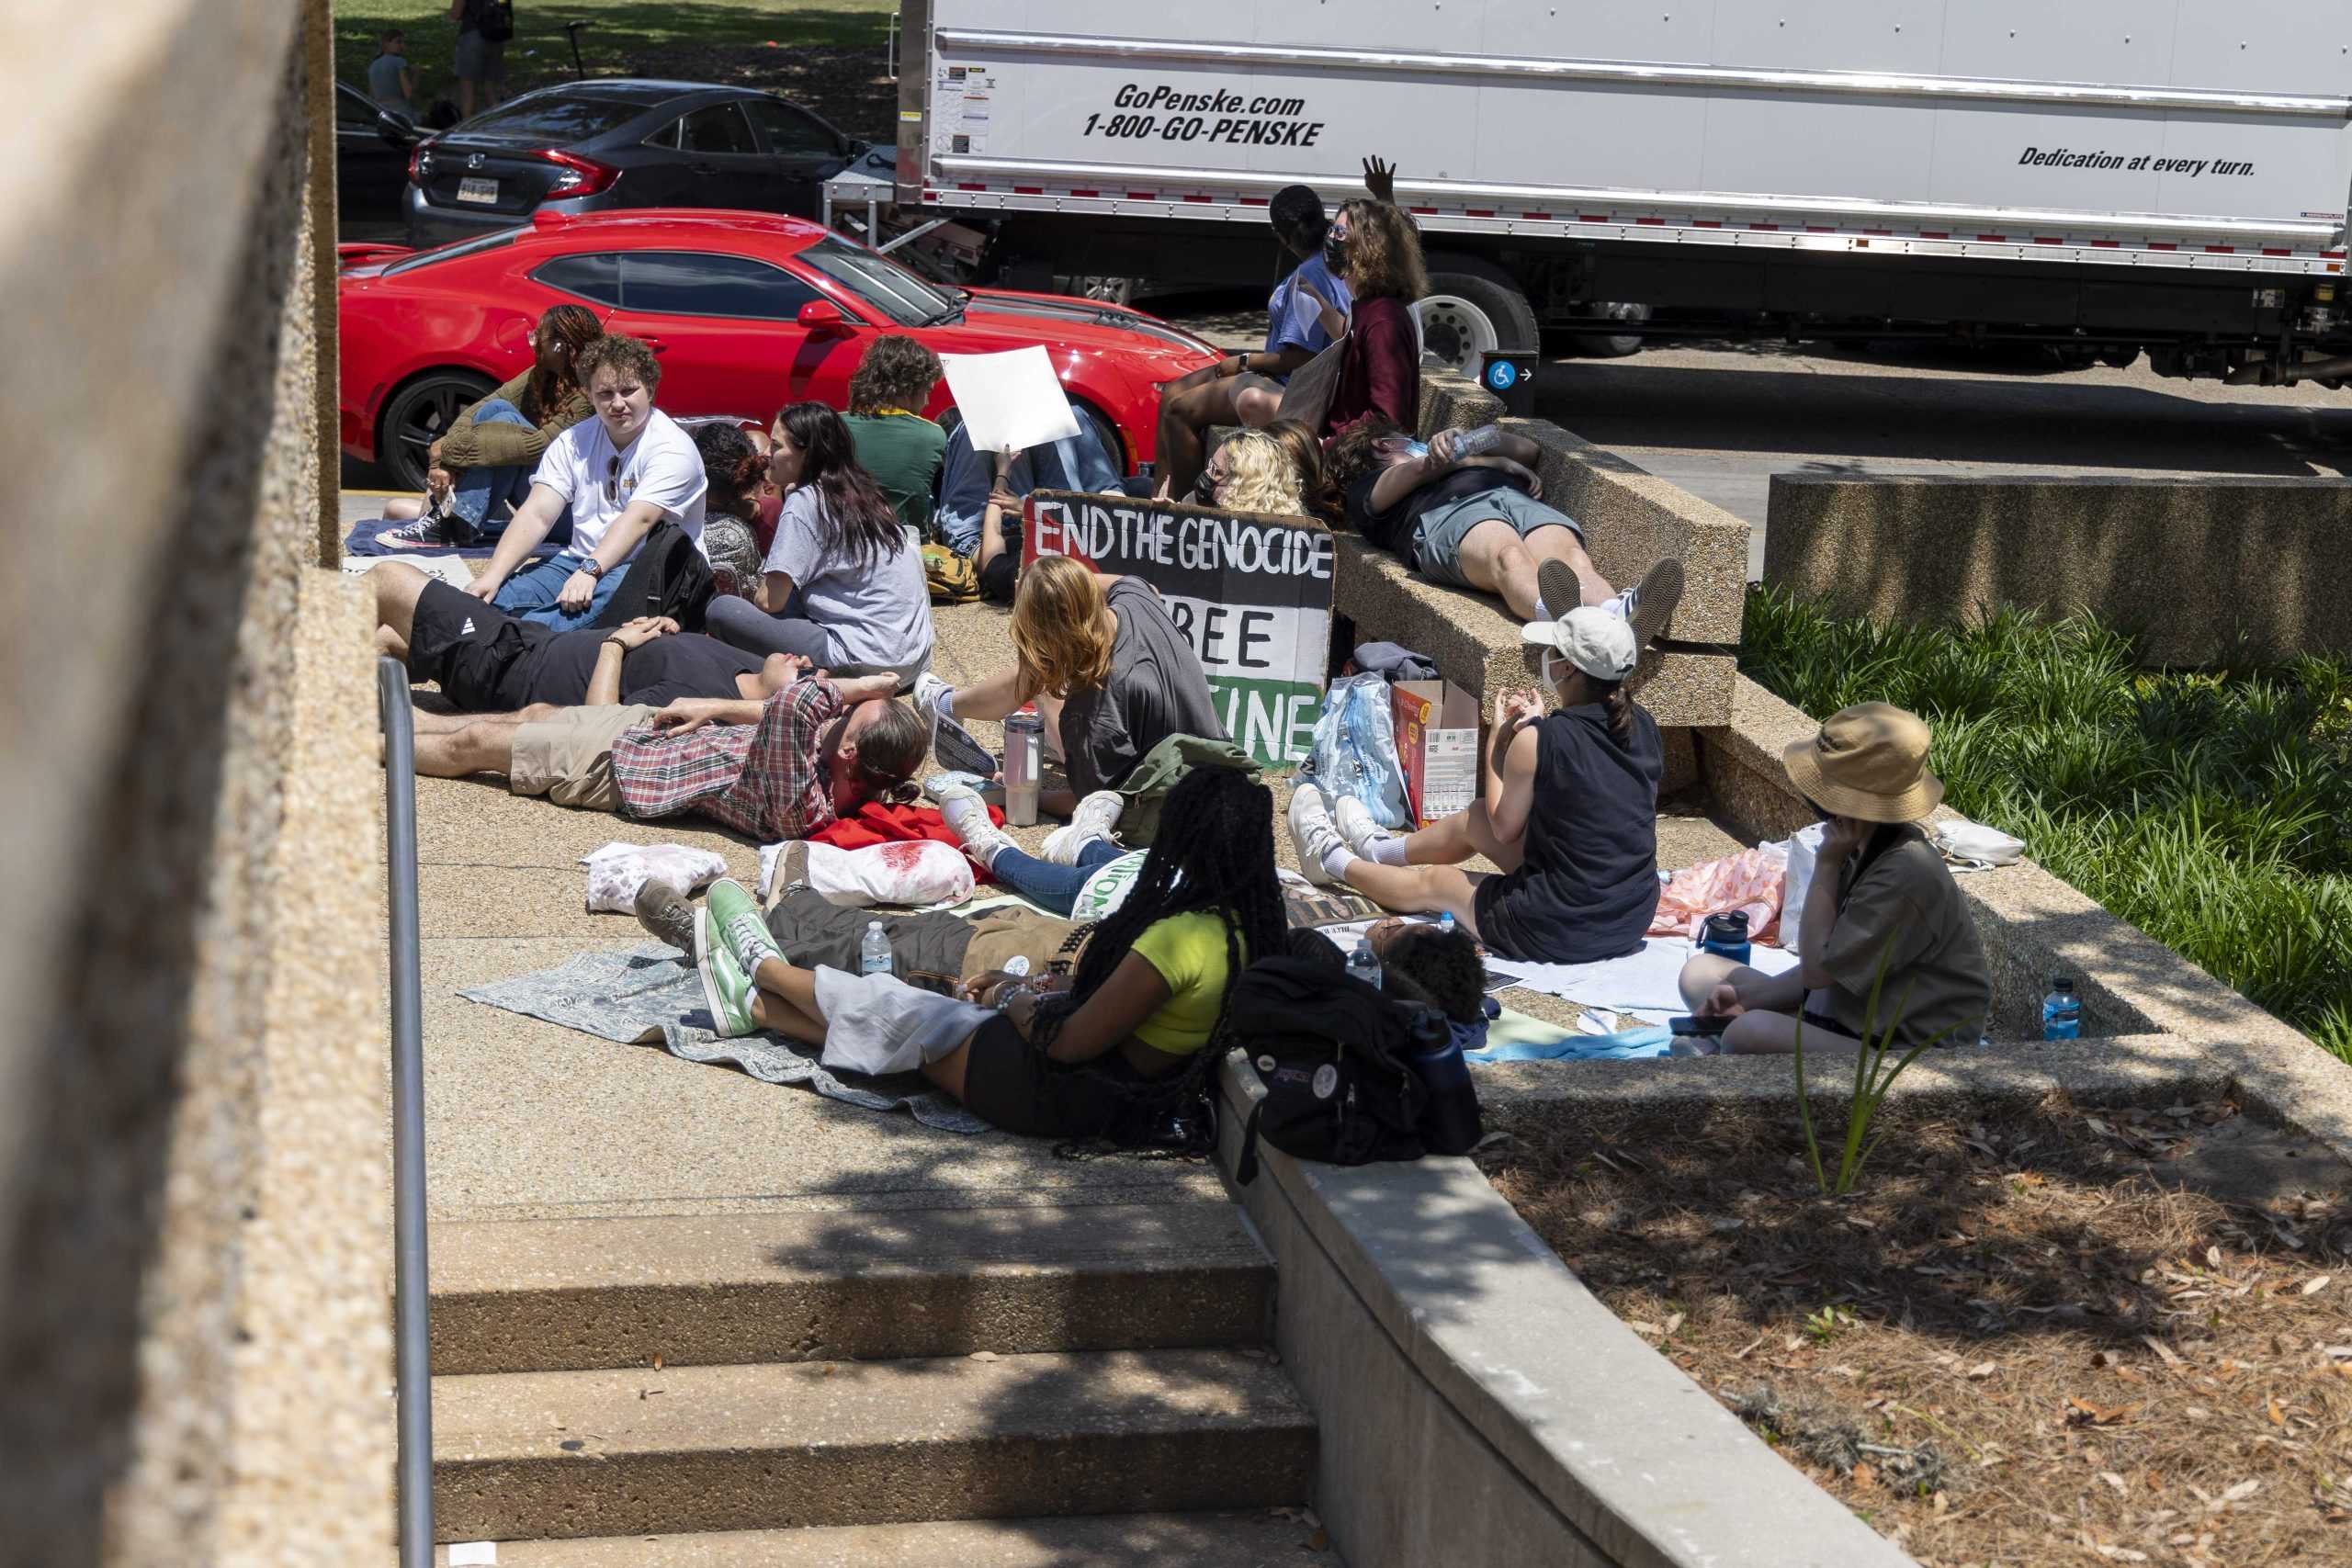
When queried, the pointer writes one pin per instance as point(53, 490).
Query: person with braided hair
point(1106, 1053)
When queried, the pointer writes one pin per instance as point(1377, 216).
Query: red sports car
point(749, 312)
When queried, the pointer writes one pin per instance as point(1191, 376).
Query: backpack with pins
point(1336, 1056)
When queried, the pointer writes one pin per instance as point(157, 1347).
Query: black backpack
point(497, 19)
point(1335, 1055)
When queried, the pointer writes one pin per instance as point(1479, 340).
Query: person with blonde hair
point(1251, 472)
point(1112, 675)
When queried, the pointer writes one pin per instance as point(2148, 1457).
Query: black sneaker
point(438, 529)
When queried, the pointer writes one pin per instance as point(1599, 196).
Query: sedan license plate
point(484, 191)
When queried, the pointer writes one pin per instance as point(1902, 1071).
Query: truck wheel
point(1472, 306)
point(1109, 290)
point(1612, 345)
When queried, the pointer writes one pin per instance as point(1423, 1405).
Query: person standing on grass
point(1880, 900)
point(618, 473)
point(390, 82)
point(484, 27)
point(893, 441)
point(1568, 811)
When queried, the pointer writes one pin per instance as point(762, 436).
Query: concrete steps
point(547, 1455)
point(542, 1295)
point(1260, 1538)
point(1007, 1383)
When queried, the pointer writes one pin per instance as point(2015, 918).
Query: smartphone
point(1687, 1024)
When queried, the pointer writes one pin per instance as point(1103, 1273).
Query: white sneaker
point(961, 808)
point(1094, 818)
point(1353, 819)
point(928, 690)
point(1312, 834)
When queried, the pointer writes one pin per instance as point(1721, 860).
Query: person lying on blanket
point(1882, 903)
point(778, 767)
point(1109, 1053)
point(1568, 810)
point(486, 661)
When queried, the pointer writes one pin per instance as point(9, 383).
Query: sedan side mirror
point(823, 316)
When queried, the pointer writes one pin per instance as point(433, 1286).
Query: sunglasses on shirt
point(612, 481)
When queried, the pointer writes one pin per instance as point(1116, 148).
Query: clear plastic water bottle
point(1445, 923)
point(1363, 963)
point(2062, 1011)
point(874, 954)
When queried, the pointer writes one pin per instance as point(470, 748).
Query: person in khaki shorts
point(564, 753)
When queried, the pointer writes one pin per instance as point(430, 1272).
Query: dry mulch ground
point(2021, 1343)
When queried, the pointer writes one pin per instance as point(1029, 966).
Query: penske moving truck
point(2103, 176)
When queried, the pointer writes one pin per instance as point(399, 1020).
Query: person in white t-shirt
point(619, 473)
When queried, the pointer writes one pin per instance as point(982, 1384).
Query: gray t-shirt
point(384, 83)
point(877, 614)
point(1156, 690)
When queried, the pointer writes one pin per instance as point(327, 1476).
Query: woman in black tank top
point(1568, 808)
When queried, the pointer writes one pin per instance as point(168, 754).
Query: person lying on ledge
point(486, 661)
point(1568, 811)
point(1106, 1054)
point(782, 767)
point(1466, 509)
point(1880, 898)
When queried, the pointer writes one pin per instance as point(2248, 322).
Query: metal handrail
point(412, 1365)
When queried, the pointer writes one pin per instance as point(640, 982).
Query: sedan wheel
point(420, 415)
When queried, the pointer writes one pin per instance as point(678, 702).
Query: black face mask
point(1335, 252)
point(1205, 490)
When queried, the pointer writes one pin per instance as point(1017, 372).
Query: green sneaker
point(726, 987)
point(737, 923)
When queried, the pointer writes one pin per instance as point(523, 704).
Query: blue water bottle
point(1450, 1123)
point(2062, 1011)
point(1726, 934)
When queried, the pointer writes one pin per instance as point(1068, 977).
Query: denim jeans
point(487, 498)
point(530, 593)
point(1051, 888)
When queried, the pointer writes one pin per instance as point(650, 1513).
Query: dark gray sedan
point(593, 146)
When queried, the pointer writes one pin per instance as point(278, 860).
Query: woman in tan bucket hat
point(1880, 894)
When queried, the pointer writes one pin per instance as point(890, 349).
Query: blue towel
point(1626, 1046)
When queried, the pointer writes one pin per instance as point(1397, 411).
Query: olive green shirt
point(500, 446)
point(903, 452)
point(1905, 906)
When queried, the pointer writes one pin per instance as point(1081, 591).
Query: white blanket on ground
point(1642, 983)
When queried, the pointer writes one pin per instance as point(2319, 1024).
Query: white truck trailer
point(2104, 177)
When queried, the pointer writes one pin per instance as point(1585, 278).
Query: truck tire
point(1612, 345)
point(1472, 305)
point(1109, 290)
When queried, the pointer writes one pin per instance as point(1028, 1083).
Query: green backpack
point(1147, 788)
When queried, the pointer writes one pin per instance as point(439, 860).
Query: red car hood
point(1081, 323)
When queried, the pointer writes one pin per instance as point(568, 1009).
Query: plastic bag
point(1804, 853)
point(1355, 749)
point(617, 871)
point(914, 872)
point(1973, 842)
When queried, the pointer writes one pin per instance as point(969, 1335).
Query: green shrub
point(2209, 808)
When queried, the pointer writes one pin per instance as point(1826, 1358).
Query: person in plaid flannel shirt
point(781, 767)
point(774, 770)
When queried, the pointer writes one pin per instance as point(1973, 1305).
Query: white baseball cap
point(1600, 643)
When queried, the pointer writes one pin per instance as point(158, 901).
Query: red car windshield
point(883, 284)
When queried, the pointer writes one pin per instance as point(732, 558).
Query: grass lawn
point(2209, 808)
point(696, 40)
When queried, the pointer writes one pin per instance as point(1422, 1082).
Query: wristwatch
point(593, 566)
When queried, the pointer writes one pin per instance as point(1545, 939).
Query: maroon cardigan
point(1380, 370)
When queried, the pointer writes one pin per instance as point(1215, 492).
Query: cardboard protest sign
point(1251, 593)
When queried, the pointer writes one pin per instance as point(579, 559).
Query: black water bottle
point(1450, 1121)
